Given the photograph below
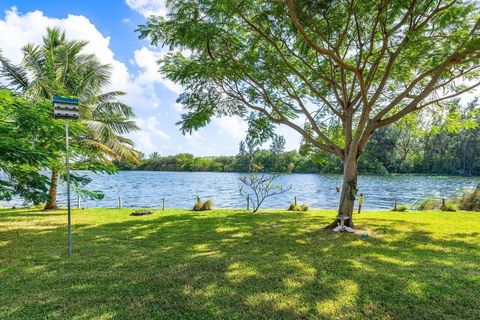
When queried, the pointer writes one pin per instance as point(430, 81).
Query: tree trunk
point(52, 192)
point(349, 191)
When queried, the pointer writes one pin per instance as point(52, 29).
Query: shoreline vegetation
point(419, 174)
point(285, 162)
point(391, 150)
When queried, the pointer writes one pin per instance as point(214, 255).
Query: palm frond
point(105, 134)
point(105, 97)
point(54, 37)
point(105, 150)
point(115, 107)
point(34, 60)
point(15, 76)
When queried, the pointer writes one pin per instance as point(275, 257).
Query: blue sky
point(109, 26)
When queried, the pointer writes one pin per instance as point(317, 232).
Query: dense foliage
point(30, 141)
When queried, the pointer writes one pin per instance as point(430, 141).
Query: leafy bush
point(428, 203)
point(198, 205)
point(202, 206)
point(449, 207)
point(296, 207)
point(207, 205)
point(464, 200)
point(401, 208)
point(470, 200)
point(259, 187)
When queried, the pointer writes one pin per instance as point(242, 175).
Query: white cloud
point(146, 60)
point(199, 144)
point(235, 127)
point(151, 124)
point(148, 140)
point(148, 7)
point(179, 107)
point(195, 138)
point(143, 142)
point(292, 137)
point(14, 33)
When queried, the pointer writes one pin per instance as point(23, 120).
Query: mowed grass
point(230, 264)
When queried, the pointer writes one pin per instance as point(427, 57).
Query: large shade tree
point(59, 67)
point(334, 71)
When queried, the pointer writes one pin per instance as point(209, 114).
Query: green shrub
point(470, 200)
point(202, 206)
point(207, 205)
point(198, 205)
point(428, 203)
point(301, 207)
point(401, 208)
point(449, 207)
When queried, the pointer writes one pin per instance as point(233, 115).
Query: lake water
point(146, 189)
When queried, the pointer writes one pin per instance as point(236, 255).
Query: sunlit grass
point(230, 264)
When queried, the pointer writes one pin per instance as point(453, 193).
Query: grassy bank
point(230, 264)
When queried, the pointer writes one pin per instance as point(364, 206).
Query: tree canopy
point(30, 141)
point(367, 65)
point(334, 71)
point(59, 66)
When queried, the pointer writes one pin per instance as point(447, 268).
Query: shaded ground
point(229, 264)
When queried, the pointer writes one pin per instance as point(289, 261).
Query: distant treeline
point(391, 150)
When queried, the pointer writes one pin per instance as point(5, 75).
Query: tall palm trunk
point(52, 192)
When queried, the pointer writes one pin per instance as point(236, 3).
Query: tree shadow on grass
point(15, 213)
point(238, 266)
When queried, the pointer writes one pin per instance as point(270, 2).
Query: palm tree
point(58, 67)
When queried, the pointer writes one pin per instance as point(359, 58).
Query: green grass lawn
point(229, 264)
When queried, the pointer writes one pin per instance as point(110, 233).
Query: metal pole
point(248, 202)
point(163, 203)
point(78, 202)
point(68, 194)
point(119, 202)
